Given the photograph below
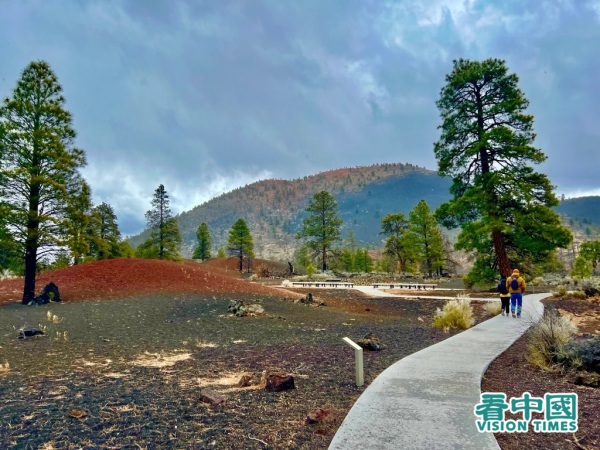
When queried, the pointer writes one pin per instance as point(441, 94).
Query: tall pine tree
point(486, 147)
point(428, 240)
point(38, 166)
point(395, 226)
point(77, 224)
point(240, 243)
point(202, 251)
point(321, 228)
point(105, 232)
point(165, 239)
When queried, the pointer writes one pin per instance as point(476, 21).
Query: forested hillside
point(274, 209)
point(582, 209)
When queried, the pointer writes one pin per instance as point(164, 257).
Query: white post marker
point(358, 361)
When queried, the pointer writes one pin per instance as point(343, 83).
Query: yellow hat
point(516, 272)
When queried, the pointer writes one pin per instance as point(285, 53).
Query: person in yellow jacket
point(516, 286)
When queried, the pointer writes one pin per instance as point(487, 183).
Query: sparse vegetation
point(492, 308)
point(560, 291)
point(456, 314)
point(547, 339)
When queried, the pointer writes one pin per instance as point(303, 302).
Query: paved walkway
point(426, 400)
point(373, 292)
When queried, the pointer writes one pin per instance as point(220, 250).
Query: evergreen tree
point(322, 226)
point(38, 166)
point(486, 147)
point(590, 251)
point(165, 239)
point(581, 268)
point(78, 222)
point(427, 237)
point(363, 261)
point(202, 251)
point(240, 242)
point(395, 226)
point(10, 257)
point(105, 231)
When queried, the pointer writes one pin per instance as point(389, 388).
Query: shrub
point(579, 294)
point(560, 291)
point(455, 314)
point(591, 287)
point(468, 281)
point(547, 339)
point(310, 270)
point(585, 352)
point(492, 308)
point(6, 274)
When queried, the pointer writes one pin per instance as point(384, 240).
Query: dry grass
point(547, 339)
point(492, 308)
point(455, 314)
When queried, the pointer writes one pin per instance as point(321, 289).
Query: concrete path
point(426, 400)
point(373, 292)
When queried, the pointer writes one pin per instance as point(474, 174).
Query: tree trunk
point(241, 261)
point(31, 245)
point(324, 259)
point(503, 264)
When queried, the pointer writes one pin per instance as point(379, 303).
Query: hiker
point(516, 286)
point(504, 296)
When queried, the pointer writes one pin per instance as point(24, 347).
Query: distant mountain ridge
point(274, 208)
point(583, 209)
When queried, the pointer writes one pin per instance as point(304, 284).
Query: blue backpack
point(514, 284)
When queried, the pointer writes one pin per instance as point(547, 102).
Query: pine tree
point(202, 251)
point(395, 226)
point(427, 237)
point(38, 166)
point(240, 242)
point(105, 232)
point(78, 222)
point(486, 147)
point(165, 239)
point(590, 251)
point(322, 226)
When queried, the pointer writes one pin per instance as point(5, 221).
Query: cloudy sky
point(205, 96)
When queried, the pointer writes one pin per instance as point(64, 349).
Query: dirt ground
point(126, 371)
point(125, 356)
point(513, 374)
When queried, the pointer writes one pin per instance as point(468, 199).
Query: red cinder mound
point(115, 278)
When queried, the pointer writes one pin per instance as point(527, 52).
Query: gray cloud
point(207, 96)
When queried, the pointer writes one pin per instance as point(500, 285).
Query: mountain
point(274, 209)
point(585, 210)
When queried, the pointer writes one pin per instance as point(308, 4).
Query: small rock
point(320, 415)
point(278, 381)
point(251, 379)
point(255, 309)
point(370, 342)
point(25, 333)
point(77, 414)
point(212, 397)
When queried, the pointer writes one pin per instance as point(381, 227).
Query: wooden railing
point(322, 284)
point(413, 286)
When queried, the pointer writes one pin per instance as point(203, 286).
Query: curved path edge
point(426, 400)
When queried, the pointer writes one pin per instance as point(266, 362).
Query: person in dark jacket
point(504, 296)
